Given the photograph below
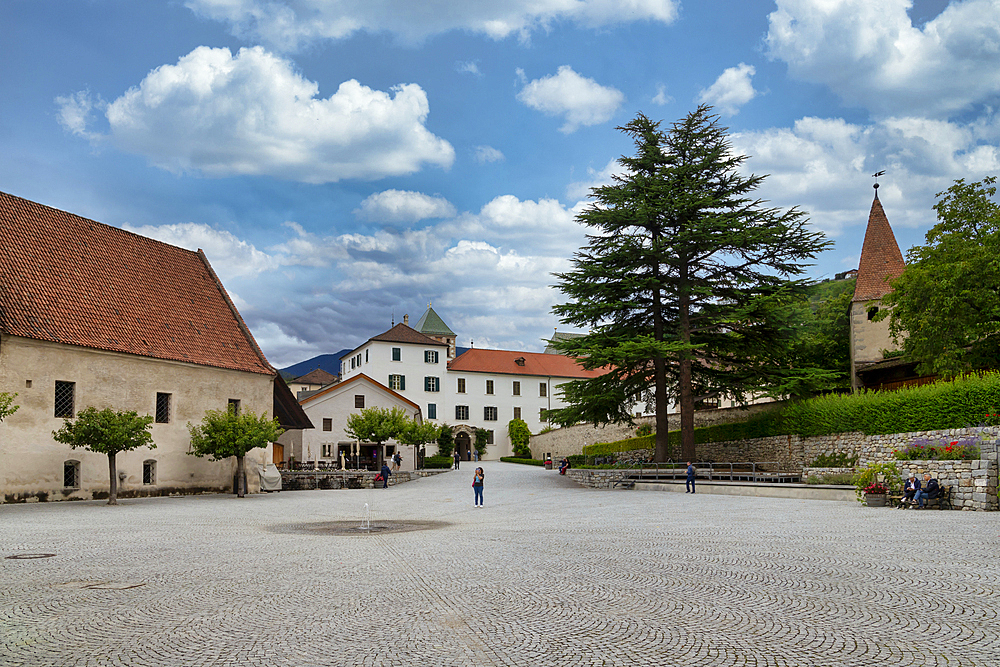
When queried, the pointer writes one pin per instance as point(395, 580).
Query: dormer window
point(519, 361)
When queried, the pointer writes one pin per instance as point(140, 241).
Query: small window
point(234, 406)
point(519, 361)
point(430, 356)
point(352, 363)
point(462, 412)
point(327, 450)
point(543, 389)
point(517, 388)
point(517, 413)
point(327, 424)
point(71, 474)
point(489, 436)
point(366, 356)
point(432, 384)
point(397, 354)
point(359, 400)
point(872, 312)
point(432, 411)
point(149, 472)
point(490, 413)
point(489, 386)
point(397, 382)
point(162, 408)
point(541, 414)
point(64, 399)
point(461, 385)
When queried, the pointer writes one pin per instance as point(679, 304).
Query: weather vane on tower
point(875, 176)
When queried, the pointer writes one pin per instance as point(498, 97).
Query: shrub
point(519, 434)
point(438, 461)
point(627, 445)
point(844, 479)
point(644, 429)
point(516, 459)
point(866, 481)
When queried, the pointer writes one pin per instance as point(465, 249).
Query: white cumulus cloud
point(731, 90)
point(485, 154)
point(293, 24)
point(403, 206)
point(580, 100)
point(871, 54)
point(252, 114)
point(230, 256)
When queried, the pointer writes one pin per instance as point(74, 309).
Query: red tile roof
point(881, 260)
point(360, 377)
point(71, 280)
point(534, 363)
point(402, 333)
point(318, 376)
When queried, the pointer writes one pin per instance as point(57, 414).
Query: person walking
point(385, 475)
point(689, 484)
point(458, 457)
point(477, 486)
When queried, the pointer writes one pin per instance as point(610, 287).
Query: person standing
point(689, 484)
point(477, 486)
point(385, 475)
point(458, 457)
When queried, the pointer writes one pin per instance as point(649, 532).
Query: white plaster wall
point(868, 338)
point(338, 405)
point(33, 461)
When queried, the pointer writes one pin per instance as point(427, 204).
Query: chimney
point(406, 320)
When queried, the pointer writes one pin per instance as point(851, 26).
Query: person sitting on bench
point(910, 489)
point(931, 489)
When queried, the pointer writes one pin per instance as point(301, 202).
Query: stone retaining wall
point(973, 484)
point(300, 480)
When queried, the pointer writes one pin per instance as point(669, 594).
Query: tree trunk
point(688, 452)
point(240, 478)
point(113, 469)
point(662, 405)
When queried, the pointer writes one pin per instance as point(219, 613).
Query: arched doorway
point(463, 445)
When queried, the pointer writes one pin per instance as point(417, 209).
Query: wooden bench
point(944, 497)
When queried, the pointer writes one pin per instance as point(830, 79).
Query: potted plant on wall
point(875, 482)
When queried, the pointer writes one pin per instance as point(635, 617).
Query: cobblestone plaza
point(547, 573)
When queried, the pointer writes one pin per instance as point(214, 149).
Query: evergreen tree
point(682, 282)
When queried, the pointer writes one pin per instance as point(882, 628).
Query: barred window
point(64, 398)
point(162, 408)
point(71, 474)
point(327, 424)
point(490, 413)
point(461, 385)
point(462, 412)
point(517, 388)
point(543, 389)
point(359, 400)
point(489, 386)
point(149, 472)
point(517, 413)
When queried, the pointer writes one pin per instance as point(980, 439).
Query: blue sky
point(343, 162)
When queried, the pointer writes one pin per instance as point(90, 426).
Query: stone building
point(92, 315)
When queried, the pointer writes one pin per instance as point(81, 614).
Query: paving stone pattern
point(547, 573)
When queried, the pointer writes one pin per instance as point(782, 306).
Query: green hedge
point(527, 462)
point(438, 462)
point(970, 401)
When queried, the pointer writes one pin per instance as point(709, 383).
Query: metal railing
point(750, 471)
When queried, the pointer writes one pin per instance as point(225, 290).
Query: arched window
point(71, 474)
point(149, 471)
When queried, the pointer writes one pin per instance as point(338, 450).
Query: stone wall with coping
point(973, 484)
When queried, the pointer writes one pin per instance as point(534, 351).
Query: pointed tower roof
point(881, 260)
point(430, 324)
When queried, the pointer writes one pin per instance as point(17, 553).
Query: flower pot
point(875, 499)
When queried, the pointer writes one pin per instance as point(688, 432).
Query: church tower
point(880, 262)
point(430, 324)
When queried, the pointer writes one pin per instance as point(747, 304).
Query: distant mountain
point(328, 362)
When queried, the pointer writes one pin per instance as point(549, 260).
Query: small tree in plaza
point(7, 406)
point(418, 434)
point(107, 432)
point(226, 433)
point(376, 424)
point(520, 435)
point(445, 441)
